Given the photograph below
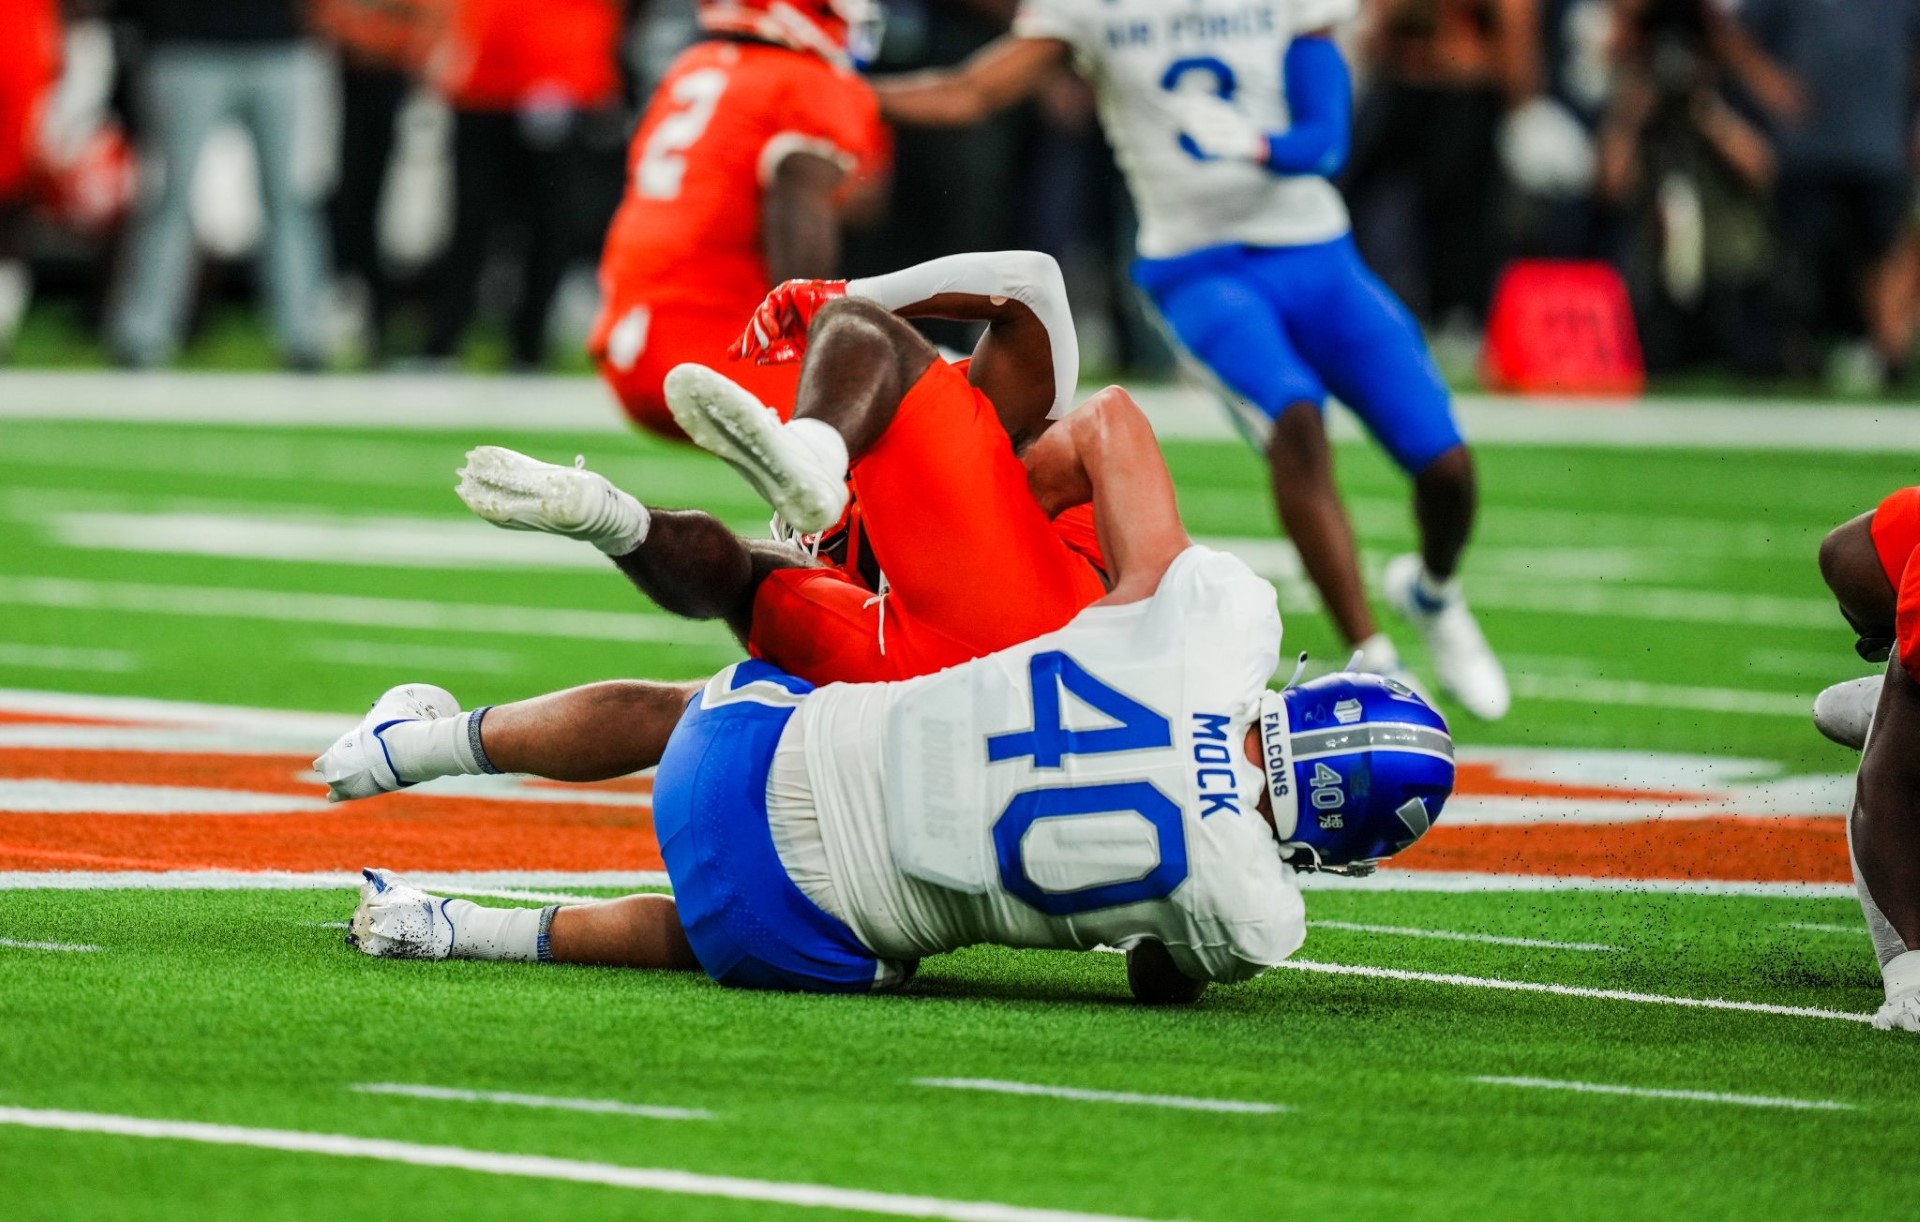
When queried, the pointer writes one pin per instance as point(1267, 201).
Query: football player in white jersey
point(1128, 780)
point(1228, 118)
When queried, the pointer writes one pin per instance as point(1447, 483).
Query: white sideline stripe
point(1446, 935)
point(1693, 1096)
point(608, 1107)
point(1568, 990)
point(17, 944)
point(531, 884)
point(540, 1167)
point(1569, 690)
point(1819, 927)
point(215, 602)
point(466, 402)
point(1185, 1102)
point(109, 798)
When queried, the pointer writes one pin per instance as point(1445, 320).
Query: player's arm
point(1027, 363)
point(1001, 73)
point(799, 224)
point(1319, 100)
point(1105, 452)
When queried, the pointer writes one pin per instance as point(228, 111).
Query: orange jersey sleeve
point(689, 226)
point(29, 67)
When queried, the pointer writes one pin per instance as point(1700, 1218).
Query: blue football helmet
point(1358, 767)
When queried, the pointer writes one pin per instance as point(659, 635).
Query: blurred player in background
point(1872, 564)
point(523, 79)
point(1128, 780)
point(950, 555)
point(1228, 119)
point(734, 184)
point(29, 66)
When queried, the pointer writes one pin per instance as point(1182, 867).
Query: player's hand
point(777, 332)
point(1218, 129)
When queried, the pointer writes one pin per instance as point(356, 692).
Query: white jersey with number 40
point(1089, 787)
point(1139, 53)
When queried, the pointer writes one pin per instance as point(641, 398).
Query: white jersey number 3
point(1137, 728)
point(663, 162)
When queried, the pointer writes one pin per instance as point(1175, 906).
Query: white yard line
point(393, 655)
point(57, 657)
point(1568, 990)
point(1181, 1102)
point(1446, 935)
point(539, 885)
point(18, 944)
point(605, 1107)
point(1857, 930)
point(539, 1167)
point(1691, 1096)
point(1573, 690)
point(214, 602)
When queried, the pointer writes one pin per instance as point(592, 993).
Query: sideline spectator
point(1845, 170)
point(205, 62)
point(1447, 73)
point(384, 49)
point(522, 76)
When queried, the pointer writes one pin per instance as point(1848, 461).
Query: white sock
point(516, 935)
point(1901, 974)
point(445, 746)
point(1432, 591)
point(621, 525)
point(824, 443)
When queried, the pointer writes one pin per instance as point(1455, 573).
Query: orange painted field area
point(88, 786)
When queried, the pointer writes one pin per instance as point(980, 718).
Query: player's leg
point(417, 732)
point(1366, 346)
point(685, 560)
point(1884, 833)
point(396, 919)
point(861, 362)
point(1231, 328)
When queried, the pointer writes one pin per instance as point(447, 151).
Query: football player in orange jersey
point(734, 183)
point(961, 559)
point(1872, 565)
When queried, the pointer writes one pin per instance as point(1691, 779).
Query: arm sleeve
point(1028, 277)
point(1320, 100)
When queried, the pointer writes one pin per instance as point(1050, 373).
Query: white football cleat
point(396, 920)
point(357, 765)
point(1844, 712)
point(724, 419)
point(516, 492)
point(1462, 659)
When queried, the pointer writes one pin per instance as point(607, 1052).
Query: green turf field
point(1647, 599)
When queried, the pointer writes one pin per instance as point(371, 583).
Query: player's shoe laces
point(358, 764)
point(396, 920)
point(514, 491)
point(1462, 659)
point(725, 419)
point(1844, 712)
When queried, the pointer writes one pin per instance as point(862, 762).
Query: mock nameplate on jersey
point(1140, 54)
point(1096, 765)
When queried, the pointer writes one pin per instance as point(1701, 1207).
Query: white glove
point(1902, 976)
point(1900, 1014)
point(1546, 151)
point(1218, 128)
